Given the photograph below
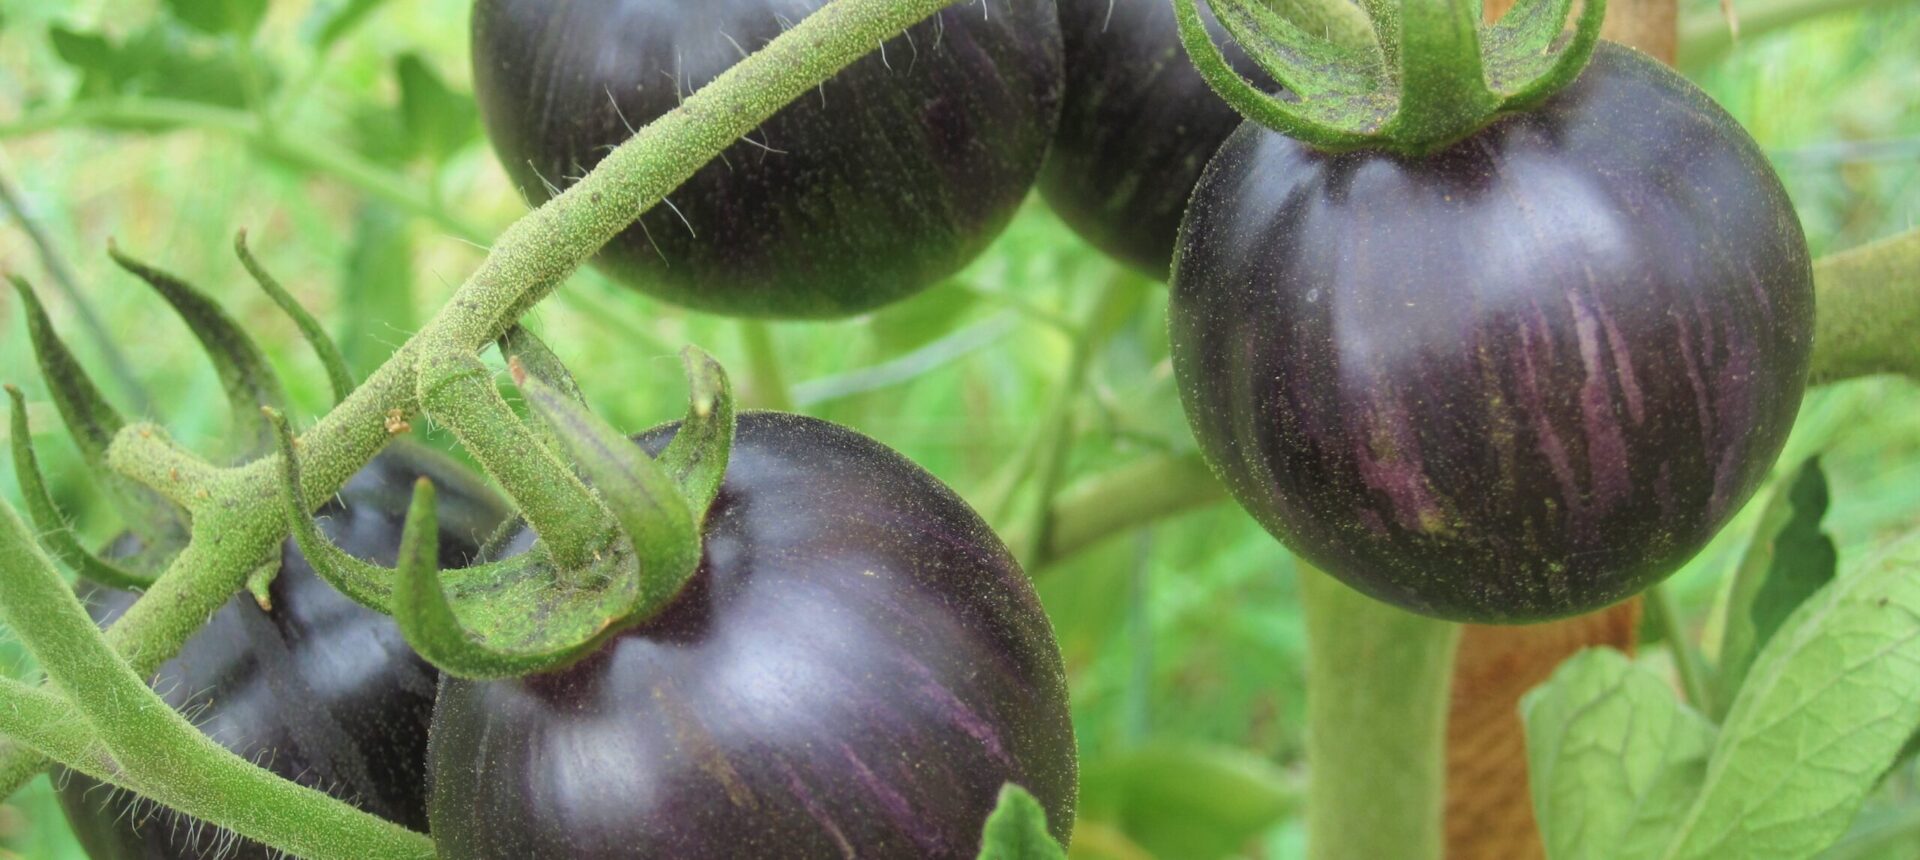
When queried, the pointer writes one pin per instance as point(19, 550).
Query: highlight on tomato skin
point(899, 171)
point(858, 667)
point(1522, 378)
point(322, 690)
point(1137, 126)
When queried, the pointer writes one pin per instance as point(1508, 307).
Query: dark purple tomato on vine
point(318, 689)
point(856, 669)
point(1137, 126)
point(896, 173)
point(1524, 377)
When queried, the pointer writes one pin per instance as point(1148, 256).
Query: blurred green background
point(373, 197)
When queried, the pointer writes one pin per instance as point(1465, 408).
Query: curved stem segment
point(155, 744)
point(1378, 681)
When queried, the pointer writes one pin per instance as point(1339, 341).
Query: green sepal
point(645, 501)
point(1443, 85)
point(531, 353)
point(53, 530)
point(249, 380)
point(338, 375)
point(459, 392)
point(507, 619)
point(1430, 81)
point(1308, 65)
point(93, 422)
point(1525, 79)
point(697, 457)
point(1329, 124)
point(369, 585)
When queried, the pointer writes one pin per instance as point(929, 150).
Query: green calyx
point(540, 610)
point(1434, 74)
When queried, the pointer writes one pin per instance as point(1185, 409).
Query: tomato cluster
point(1518, 377)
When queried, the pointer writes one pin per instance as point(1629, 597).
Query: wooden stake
point(1489, 809)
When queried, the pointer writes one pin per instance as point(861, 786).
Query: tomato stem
point(156, 746)
point(1378, 685)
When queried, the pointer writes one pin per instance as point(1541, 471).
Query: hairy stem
point(1869, 310)
point(147, 454)
point(235, 529)
point(156, 745)
point(1378, 680)
point(1686, 658)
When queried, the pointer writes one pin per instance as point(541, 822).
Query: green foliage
point(1789, 559)
point(1186, 800)
point(1827, 706)
point(1613, 758)
point(438, 121)
point(161, 60)
point(1017, 829)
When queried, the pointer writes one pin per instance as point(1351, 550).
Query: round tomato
point(1521, 378)
point(894, 175)
point(856, 669)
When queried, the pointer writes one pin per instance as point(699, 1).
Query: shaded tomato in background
point(893, 175)
point(319, 689)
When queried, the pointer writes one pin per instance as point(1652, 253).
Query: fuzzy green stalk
point(238, 526)
point(1868, 302)
point(155, 744)
point(1378, 682)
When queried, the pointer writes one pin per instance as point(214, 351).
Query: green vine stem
point(156, 745)
point(231, 534)
point(1868, 301)
point(1378, 681)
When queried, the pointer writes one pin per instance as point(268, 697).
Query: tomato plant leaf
point(218, 17)
point(439, 120)
point(1187, 800)
point(1826, 708)
point(1017, 829)
point(1613, 757)
point(1789, 559)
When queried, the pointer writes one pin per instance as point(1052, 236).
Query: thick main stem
point(525, 264)
point(1378, 680)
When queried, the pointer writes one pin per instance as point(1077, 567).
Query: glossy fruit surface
point(319, 689)
point(855, 670)
point(1137, 127)
point(891, 177)
point(1522, 378)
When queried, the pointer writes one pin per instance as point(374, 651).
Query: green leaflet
point(1614, 758)
point(1017, 829)
point(1826, 707)
point(1789, 561)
